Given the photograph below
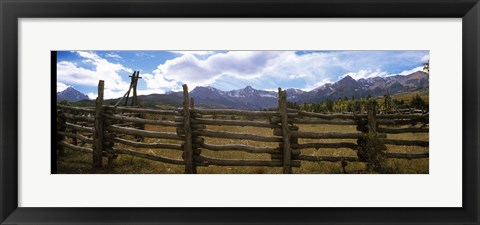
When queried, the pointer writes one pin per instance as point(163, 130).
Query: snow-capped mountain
point(247, 98)
point(293, 94)
point(251, 98)
point(375, 86)
point(71, 94)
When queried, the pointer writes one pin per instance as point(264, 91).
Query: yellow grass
point(74, 162)
point(407, 96)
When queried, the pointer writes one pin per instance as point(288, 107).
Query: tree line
point(358, 104)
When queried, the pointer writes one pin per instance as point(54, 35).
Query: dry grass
point(74, 162)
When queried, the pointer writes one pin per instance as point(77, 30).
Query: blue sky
point(164, 71)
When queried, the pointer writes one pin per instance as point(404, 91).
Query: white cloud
point(255, 66)
point(425, 58)
point(109, 94)
point(236, 69)
point(158, 81)
point(150, 91)
point(366, 74)
point(316, 85)
point(377, 73)
point(296, 76)
point(185, 68)
point(61, 86)
point(92, 95)
point(68, 72)
point(408, 72)
point(196, 72)
point(144, 54)
point(71, 73)
point(113, 55)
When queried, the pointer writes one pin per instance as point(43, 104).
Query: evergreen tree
point(418, 103)
point(329, 104)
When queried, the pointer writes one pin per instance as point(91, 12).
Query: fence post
point(134, 84)
point(282, 109)
point(109, 136)
point(98, 132)
point(371, 115)
point(196, 151)
point(188, 150)
point(373, 148)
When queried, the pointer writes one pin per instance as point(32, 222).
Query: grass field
point(75, 162)
point(407, 96)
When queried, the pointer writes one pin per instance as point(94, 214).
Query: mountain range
point(254, 99)
point(250, 98)
point(374, 86)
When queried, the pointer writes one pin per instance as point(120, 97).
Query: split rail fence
point(102, 130)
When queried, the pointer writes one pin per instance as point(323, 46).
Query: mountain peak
point(206, 89)
point(348, 77)
point(248, 87)
point(347, 82)
point(72, 95)
point(68, 89)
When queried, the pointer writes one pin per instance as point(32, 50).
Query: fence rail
point(107, 131)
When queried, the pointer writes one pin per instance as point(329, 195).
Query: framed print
point(232, 110)
point(226, 112)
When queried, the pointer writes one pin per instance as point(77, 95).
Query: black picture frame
point(11, 11)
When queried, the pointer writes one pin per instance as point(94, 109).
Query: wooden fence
point(102, 131)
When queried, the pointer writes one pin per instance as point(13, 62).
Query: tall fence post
point(371, 116)
point(373, 148)
point(188, 150)
point(134, 84)
point(109, 136)
point(287, 153)
point(98, 133)
point(195, 127)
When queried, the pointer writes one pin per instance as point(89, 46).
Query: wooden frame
point(11, 11)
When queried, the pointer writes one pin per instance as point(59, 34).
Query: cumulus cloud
point(261, 67)
point(229, 70)
point(157, 81)
point(71, 73)
point(255, 66)
point(113, 55)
